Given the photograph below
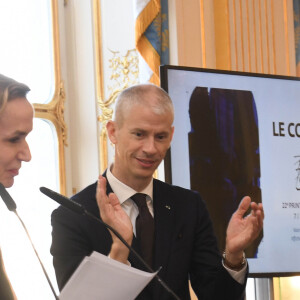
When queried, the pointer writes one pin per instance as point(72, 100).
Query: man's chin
point(146, 173)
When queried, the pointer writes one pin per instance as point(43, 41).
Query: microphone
point(78, 208)
point(11, 205)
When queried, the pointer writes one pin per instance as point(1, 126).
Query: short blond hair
point(11, 89)
point(138, 94)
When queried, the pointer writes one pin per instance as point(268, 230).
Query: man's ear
point(171, 135)
point(111, 128)
point(173, 128)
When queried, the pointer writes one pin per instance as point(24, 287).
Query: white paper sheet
point(99, 277)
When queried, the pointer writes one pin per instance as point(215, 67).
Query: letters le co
point(292, 129)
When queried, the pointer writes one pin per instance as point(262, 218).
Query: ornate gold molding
point(124, 72)
point(99, 78)
point(54, 110)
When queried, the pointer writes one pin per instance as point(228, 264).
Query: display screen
point(238, 134)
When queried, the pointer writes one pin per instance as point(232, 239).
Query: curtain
point(151, 37)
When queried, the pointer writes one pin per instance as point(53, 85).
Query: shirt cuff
point(238, 276)
point(127, 262)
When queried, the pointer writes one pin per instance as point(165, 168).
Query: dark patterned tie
point(144, 228)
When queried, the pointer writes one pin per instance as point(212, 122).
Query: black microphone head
point(8, 200)
point(64, 201)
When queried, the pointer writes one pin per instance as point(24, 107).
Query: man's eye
point(14, 140)
point(138, 134)
point(161, 137)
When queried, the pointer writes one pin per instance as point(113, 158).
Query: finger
point(244, 205)
point(260, 218)
point(254, 209)
point(101, 191)
point(113, 199)
point(260, 206)
point(254, 206)
point(257, 219)
point(257, 209)
point(261, 223)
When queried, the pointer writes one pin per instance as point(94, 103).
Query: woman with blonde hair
point(16, 118)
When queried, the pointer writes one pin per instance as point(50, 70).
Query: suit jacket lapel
point(164, 225)
point(164, 217)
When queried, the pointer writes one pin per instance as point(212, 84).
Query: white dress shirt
point(124, 192)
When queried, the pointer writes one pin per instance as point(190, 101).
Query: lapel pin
point(168, 207)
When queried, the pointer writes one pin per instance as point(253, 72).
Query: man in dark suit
point(184, 243)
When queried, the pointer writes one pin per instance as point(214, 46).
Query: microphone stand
point(11, 205)
point(44, 270)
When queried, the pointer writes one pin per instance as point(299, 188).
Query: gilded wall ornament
point(124, 73)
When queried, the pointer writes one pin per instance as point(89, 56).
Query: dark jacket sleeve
point(209, 279)
point(75, 236)
point(194, 252)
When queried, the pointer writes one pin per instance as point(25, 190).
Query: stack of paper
point(99, 277)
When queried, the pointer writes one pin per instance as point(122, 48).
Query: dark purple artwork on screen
point(224, 153)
